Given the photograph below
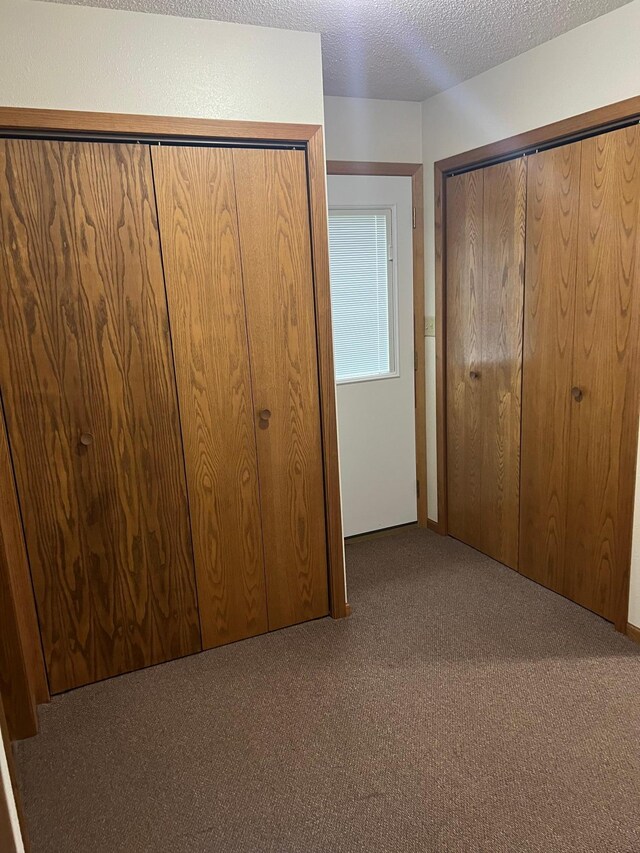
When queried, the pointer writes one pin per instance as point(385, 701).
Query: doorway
point(376, 275)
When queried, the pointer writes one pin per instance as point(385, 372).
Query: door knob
point(86, 439)
point(264, 414)
point(473, 374)
point(577, 394)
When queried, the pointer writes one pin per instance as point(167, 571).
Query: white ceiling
point(407, 49)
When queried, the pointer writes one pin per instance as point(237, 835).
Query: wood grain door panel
point(201, 251)
point(21, 665)
point(504, 217)
point(485, 271)
point(91, 408)
point(553, 197)
point(464, 341)
point(273, 215)
point(604, 424)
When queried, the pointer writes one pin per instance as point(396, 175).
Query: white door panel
point(376, 418)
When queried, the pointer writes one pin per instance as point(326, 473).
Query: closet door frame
point(90, 126)
point(571, 129)
point(415, 172)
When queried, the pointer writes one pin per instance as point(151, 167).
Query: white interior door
point(370, 245)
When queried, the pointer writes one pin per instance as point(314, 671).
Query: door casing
point(88, 126)
point(415, 172)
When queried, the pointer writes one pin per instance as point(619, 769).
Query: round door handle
point(264, 414)
point(86, 439)
point(577, 394)
point(473, 374)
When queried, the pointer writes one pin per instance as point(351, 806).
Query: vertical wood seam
point(318, 218)
point(177, 396)
point(43, 675)
point(251, 386)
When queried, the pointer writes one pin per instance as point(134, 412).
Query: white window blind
point(362, 294)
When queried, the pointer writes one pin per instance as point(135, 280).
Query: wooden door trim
point(29, 120)
point(122, 126)
point(320, 259)
point(560, 132)
point(415, 172)
point(361, 167)
point(602, 118)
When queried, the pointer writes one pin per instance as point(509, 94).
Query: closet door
point(604, 388)
point(273, 216)
point(485, 271)
point(501, 368)
point(465, 202)
point(553, 197)
point(89, 395)
point(201, 251)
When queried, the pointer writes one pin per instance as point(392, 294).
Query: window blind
point(361, 302)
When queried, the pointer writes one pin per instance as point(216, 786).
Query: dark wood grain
point(553, 195)
point(15, 688)
point(201, 251)
point(20, 666)
point(84, 350)
point(317, 187)
point(464, 354)
point(557, 132)
point(604, 425)
point(485, 271)
point(273, 213)
point(24, 119)
point(19, 573)
point(501, 362)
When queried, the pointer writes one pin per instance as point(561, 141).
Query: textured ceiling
point(404, 49)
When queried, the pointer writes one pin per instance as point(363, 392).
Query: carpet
point(461, 708)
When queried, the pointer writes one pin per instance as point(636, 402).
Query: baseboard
point(348, 609)
point(435, 526)
point(633, 633)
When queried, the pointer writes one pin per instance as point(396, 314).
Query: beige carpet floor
point(461, 708)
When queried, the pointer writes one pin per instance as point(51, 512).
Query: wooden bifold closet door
point(485, 271)
point(273, 216)
point(582, 313)
point(159, 377)
point(201, 251)
point(236, 244)
point(90, 403)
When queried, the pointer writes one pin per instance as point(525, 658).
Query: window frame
point(390, 213)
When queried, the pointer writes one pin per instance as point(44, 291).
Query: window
point(362, 293)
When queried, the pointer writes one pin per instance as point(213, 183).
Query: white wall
point(82, 58)
point(373, 131)
point(586, 68)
